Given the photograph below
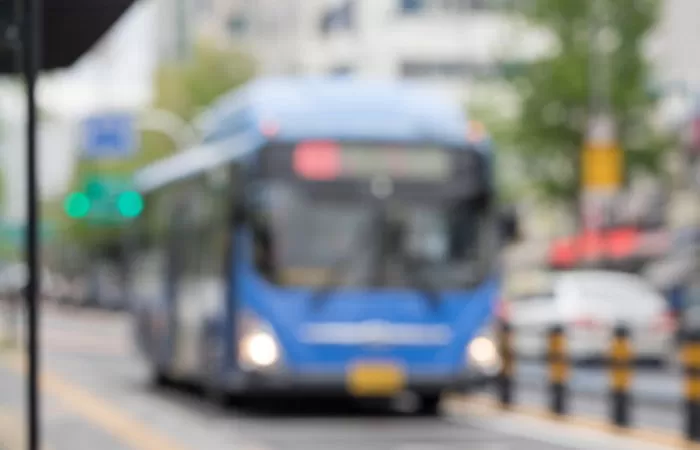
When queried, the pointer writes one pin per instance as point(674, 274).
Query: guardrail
point(619, 366)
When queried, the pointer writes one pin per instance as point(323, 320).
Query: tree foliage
point(555, 91)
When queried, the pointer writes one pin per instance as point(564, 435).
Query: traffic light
point(104, 200)
point(77, 205)
point(95, 189)
point(130, 204)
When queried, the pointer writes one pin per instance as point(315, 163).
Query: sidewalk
point(11, 324)
point(11, 427)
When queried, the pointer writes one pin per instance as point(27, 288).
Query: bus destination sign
point(327, 161)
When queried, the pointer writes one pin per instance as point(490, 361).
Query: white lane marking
point(565, 437)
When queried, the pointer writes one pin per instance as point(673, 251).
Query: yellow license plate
point(366, 380)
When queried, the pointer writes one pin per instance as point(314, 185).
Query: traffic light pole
point(31, 37)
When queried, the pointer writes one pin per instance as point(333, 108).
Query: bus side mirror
point(239, 214)
point(395, 235)
point(509, 226)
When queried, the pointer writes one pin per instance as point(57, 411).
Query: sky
point(116, 74)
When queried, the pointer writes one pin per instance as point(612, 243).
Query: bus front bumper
point(310, 383)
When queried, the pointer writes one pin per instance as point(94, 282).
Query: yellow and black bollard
point(558, 370)
point(620, 376)
point(691, 362)
point(505, 377)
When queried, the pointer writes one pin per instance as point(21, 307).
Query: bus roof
point(303, 108)
point(339, 108)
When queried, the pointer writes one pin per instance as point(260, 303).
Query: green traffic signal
point(95, 189)
point(130, 204)
point(77, 205)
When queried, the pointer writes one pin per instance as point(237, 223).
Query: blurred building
point(173, 29)
point(455, 44)
point(448, 43)
point(675, 45)
point(115, 74)
point(57, 153)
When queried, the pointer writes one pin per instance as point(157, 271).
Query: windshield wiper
point(394, 244)
point(342, 264)
point(416, 278)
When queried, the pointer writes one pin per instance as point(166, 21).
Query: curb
point(640, 436)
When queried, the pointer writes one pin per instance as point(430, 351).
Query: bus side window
point(257, 218)
point(262, 246)
point(178, 239)
point(216, 230)
point(465, 224)
point(236, 211)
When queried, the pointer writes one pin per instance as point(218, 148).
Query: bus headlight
point(258, 347)
point(483, 353)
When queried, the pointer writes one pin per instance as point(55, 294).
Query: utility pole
point(31, 38)
point(20, 36)
point(602, 162)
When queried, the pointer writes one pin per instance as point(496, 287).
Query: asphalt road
point(97, 397)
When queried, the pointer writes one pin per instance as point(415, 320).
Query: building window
point(445, 69)
point(341, 17)
point(342, 70)
point(460, 70)
point(478, 5)
point(238, 24)
point(513, 69)
point(409, 7)
point(461, 5)
point(413, 6)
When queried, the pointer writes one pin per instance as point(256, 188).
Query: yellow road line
point(487, 406)
point(99, 412)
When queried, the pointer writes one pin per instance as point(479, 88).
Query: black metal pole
point(620, 376)
point(691, 363)
point(30, 50)
point(558, 370)
point(505, 378)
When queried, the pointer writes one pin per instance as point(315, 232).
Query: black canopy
point(70, 29)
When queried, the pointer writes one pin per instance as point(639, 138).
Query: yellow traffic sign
point(602, 167)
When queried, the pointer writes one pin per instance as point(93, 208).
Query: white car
point(589, 304)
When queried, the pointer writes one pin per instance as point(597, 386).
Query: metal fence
point(620, 368)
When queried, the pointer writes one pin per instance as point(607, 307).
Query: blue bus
point(329, 236)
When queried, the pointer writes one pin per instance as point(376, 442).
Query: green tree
point(554, 92)
point(187, 89)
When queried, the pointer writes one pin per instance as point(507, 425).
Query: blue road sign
point(111, 135)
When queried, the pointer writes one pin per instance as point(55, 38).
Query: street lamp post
point(601, 160)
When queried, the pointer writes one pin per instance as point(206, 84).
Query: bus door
point(179, 262)
point(198, 281)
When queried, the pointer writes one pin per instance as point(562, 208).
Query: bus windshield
point(310, 234)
